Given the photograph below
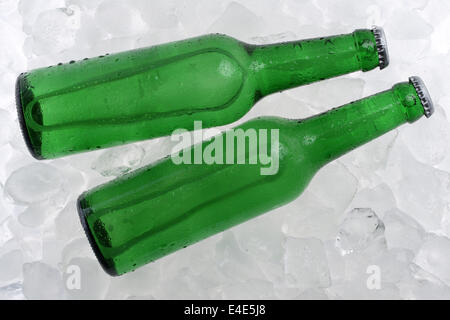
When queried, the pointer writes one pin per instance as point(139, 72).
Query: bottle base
point(83, 212)
point(20, 86)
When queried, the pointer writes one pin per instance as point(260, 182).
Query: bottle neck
point(338, 131)
point(286, 65)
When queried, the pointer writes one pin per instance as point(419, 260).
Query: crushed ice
point(319, 246)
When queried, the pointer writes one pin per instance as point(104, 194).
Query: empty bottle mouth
point(381, 43)
point(423, 94)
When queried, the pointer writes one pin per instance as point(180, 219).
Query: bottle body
point(167, 206)
point(161, 208)
point(149, 92)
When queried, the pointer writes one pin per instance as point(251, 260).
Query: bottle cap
point(423, 94)
point(383, 54)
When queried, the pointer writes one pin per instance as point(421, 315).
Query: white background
point(316, 247)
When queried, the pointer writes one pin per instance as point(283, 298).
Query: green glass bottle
point(158, 209)
point(148, 93)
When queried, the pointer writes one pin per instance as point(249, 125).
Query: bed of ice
point(373, 225)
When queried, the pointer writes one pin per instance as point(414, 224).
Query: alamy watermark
point(373, 281)
point(73, 280)
point(235, 146)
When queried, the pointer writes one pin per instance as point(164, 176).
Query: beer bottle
point(147, 93)
point(155, 210)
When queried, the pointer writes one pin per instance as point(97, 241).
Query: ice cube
point(119, 160)
point(274, 38)
point(363, 13)
point(329, 93)
point(261, 238)
point(34, 183)
point(67, 223)
point(380, 198)
point(335, 185)
point(336, 261)
point(55, 30)
point(235, 263)
point(360, 229)
point(52, 250)
point(358, 290)
point(306, 263)
point(157, 149)
point(142, 282)
point(282, 105)
point(309, 217)
point(313, 294)
point(162, 14)
point(12, 59)
point(78, 248)
point(393, 264)
point(88, 5)
point(30, 10)
point(402, 231)
point(149, 297)
point(240, 22)
point(8, 7)
point(365, 161)
point(307, 13)
point(11, 266)
point(199, 261)
point(422, 191)
point(434, 257)
point(438, 46)
point(317, 212)
point(4, 213)
point(42, 282)
point(408, 24)
point(418, 137)
point(409, 171)
point(16, 237)
point(6, 123)
point(119, 18)
point(12, 292)
point(417, 284)
point(435, 11)
point(180, 286)
point(249, 289)
point(35, 215)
